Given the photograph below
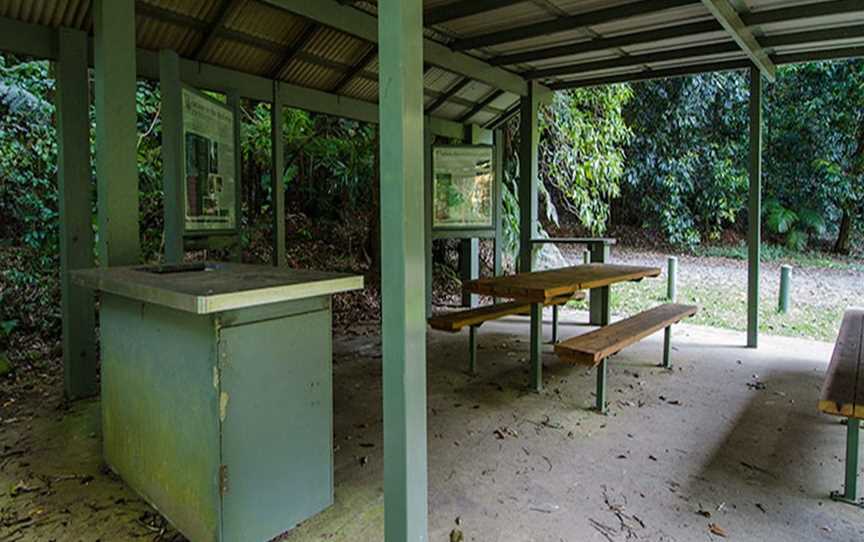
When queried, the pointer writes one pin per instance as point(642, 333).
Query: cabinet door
point(276, 407)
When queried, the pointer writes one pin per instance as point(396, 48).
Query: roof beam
point(362, 25)
point(298, 45)
point(224, 11)
point(498, 121)
point(804, 11)
point(446, 96)
point(464, 8)
point(355, 69)
point(729, 18)
point(624, 40)
point(600, 16)
point(647, 75)
point(479, 106)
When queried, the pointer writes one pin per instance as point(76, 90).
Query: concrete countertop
point(214, 287)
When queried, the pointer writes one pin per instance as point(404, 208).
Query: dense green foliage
point(687, 164)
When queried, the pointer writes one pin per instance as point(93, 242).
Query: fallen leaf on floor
point(456, 536)
point(704, 513)
point(717, 530)
point(505, 432)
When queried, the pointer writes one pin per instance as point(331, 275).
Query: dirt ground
point(728, 442)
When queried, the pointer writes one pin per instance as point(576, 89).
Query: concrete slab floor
point(730, 437)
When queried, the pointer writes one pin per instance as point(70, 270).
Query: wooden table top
point(542, 286)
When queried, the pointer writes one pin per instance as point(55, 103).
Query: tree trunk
point(845, 234)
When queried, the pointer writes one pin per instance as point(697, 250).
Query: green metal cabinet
point(222, 421)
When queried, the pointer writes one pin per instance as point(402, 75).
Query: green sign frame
point(464, 191)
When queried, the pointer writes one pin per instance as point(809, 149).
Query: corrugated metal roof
point(577, 42)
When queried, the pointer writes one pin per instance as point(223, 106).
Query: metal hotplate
point(207, 288)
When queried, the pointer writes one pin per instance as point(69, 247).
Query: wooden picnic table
point(539, 287)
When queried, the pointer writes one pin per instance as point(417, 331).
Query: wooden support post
point(400, 31)
point(277, 164)
point(116, 132)
point(76, 220)
point(172, 154)
point(754, 232)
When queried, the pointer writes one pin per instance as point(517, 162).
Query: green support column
point(469, 267)
point(277, 186)
point(76, 220)
point(116, 132)
point(849, 494)
point(498, 261)
point(172, 154)
point(428, 141)
point(400, 30)
point(754, 233)
point(529, 132)
point(598, 310)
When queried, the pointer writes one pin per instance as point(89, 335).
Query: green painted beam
point(402, 259)
point(445, 96)
point(224, 10)
point(116, 132)
point(76, 218)
point(277, 192)
point(363, 25)
point(568, 24)
point(754, 219)
point(170, 90)
point(647, 75)
point(464, 8)
point(480, 106)
point(28, 39)
point(730, 19)
point(361, 64)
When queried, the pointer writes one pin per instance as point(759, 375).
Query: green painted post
point(276, 174)
point(400, 29)
point(599, 311)
point(469, 265)
point(586, 257)
point(754, 232)
point(472, 350)
point(672, 278)
point(428, 142)
point(536, 347)
point(116, 132)
point(529, 130)
point(498, 262)
point(554, 324)
point(785, 286)
point(850, 489)
point(600, 403)
point(172, 154)
point(76, 222)
point(667, 348)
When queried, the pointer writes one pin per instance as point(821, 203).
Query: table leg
point(472, 350)
point(850, 490)
point(599, 302)
point(554, 324)
point(601, 387)
point(536, 339)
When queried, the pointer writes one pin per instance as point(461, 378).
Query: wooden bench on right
point(843, 395)
point(593, 348)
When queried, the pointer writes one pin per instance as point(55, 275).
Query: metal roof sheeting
point(618, 43)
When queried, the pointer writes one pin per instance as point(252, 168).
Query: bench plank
point(455, 321)
point(592, 348)
point(843, 389)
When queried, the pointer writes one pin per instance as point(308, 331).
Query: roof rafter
point(223, 12)
point(365, 26)
point(479, 106)
point(448, 94)
point(573, 22)
point(730, 19)
point(296, 46)
point(355, 69)
point(463, 8)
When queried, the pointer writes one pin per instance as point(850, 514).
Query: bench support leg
point(472, 350)
point(601, 387)
point(554, 324)
point(536, 338)
point(850, 490)
point(667, 348)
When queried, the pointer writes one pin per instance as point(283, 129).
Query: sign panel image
point(463, 187)
point(210, 186)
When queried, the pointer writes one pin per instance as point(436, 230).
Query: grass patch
point(722, 308)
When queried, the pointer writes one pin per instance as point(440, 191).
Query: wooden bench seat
point(594, 347)
point(455, 321)
point(473, 318)
point(843, 394)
